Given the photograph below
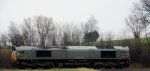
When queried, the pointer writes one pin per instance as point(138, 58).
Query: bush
point(140, 55)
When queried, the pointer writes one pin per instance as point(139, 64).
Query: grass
point(124, 42)
point(53, 69)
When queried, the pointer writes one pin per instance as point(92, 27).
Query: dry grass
point(53, 69)
point(86, 69)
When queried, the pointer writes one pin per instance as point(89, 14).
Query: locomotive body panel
point(87, 54)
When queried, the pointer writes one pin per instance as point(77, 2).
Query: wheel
point(60, 65)
point(20, 66)
point(97, 65)
point(108, 67)
point(51, 65)
point(126, 65)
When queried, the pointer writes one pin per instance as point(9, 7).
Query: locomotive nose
point(14, 57)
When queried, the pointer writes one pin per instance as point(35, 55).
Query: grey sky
point(110, 14)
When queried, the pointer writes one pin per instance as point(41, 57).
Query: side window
point(21, 52)
point(43, 53)
point(108, 54)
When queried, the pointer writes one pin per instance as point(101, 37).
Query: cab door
point(91, 54)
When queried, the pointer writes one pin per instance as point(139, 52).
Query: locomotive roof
point(35, 48)
point(74, 47)
point(81, 47)
point(105, 47)
point(121, 48)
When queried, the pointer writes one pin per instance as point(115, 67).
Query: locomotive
point(96, 56)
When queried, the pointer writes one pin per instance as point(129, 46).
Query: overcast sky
point(110, 14)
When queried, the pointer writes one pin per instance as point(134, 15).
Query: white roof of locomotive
point(121, 48)
point(25, 47)
point(81, 47)
point(35, 48)
point(74, 47)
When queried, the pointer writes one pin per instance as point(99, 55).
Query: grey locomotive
point(96, 56)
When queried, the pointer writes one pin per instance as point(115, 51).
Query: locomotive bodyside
point(95, 56)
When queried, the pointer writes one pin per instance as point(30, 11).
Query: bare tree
point(76, 35)
point(44, 26)
point(101, 40)
point(28, 31)
point(52, 37)
point(15, 35)
point(135, 26)
point(125, 38)
point(55, 37)
point(89, 28)
point(67, 34)
point(4, 39)
point(71, 34)
point(146, 5)
point(90, 25)
point(59, 35)
point(143, 10)
point(108, 38)
point(42, 30)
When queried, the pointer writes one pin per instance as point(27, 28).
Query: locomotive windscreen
point(43, 53)
point(108, 54)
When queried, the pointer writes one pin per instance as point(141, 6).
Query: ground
point(53, 69)
point(4, 58)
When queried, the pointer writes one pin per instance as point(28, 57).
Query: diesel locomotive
point(96, 56)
